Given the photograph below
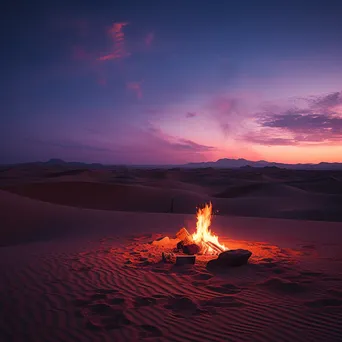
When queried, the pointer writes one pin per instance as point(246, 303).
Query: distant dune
point(269, 192)
point(262, 190)
point(110, 196)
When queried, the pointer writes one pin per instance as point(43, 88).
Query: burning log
point(203, 241)
point(189, 246)
point(184, 236)
point(216, 248)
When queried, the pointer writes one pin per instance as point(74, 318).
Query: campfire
point(183, 248)
point(202, 241)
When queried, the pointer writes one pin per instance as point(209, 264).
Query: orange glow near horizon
point(300, 154)
point(278, 154)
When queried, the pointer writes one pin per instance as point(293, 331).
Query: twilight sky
point(142, 82)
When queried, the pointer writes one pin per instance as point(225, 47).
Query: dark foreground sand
point(80, 274)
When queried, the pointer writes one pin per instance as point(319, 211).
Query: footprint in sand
point(144, 301)
point(182, 306)
point(282, 285)
point(116, 301)
point(149, 331)
point(203, 276)
point(225, 289)
point(98, 296)
point(101, 310)
point(104, 316)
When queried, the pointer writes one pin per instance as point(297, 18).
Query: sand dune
point(261, 190)
point(26, 219)
point(247, 199)
point(328, 185)
point(110, 196)
point(232, 193)
point(77, 263)
point(101, 280)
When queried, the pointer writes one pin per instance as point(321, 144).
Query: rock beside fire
point(232, 258)
point(185, 260)
point(191, 249)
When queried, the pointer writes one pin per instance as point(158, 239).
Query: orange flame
point(203, 233)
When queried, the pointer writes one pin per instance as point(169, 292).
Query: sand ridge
point(122, 292)
point(76, 266)
point(273, 193)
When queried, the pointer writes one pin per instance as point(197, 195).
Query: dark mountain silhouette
point(224, 163)
point(243, 163)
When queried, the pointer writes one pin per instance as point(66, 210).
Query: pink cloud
point(114, 55)
point(152, 145)
point(226, 110)
point(118, 38)
point(149, 39)
point(135, 87)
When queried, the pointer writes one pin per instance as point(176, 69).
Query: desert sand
point(77, 263)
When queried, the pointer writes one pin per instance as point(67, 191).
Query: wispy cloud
point(118, 40)
point(226, 110)
point(266, 138)
point(176, 143)
point(189, 145)
point(190, 114)
point(132, 145)
point(326, 102)
point(319, 123)
point(136, 87)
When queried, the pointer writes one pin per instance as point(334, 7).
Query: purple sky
point(143, 82)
